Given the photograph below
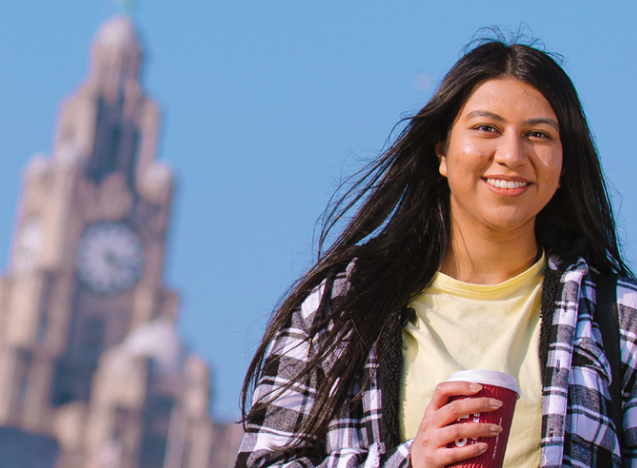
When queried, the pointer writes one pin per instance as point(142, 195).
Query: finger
point(447, 456)
point(449, 434)
point(459, 408)
point(445, 390)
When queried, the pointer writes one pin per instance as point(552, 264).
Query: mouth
point(506, 184)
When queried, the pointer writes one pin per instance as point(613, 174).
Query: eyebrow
point(535, 121)
point(543, 120)
point(483, 113)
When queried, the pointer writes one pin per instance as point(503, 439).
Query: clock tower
point(90, 362)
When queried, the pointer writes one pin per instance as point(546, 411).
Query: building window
point(109, 138)
point(110, 164)
point(43, 325)
point(93, 340)
point(25, 361)
point(155, 430)
point(43, 318)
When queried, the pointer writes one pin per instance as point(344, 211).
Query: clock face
point(29, 244)
point(109, 257)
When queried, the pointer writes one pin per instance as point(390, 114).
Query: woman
point(477, 242)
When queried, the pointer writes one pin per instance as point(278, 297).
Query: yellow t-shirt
point(462, 326)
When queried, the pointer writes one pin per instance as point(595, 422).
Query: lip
point(507, 192)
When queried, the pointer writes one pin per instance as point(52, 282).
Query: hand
point(429, 449)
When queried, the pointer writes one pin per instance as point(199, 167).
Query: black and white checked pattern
point(575, 426)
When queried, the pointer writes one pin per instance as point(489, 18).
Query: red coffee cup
point(496, 385)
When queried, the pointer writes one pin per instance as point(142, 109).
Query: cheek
point(552, 172)
point(464, 160)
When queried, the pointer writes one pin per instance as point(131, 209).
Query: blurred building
point(93, 373)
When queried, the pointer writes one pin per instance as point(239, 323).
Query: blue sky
point(266, 104)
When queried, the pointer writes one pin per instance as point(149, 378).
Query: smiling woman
point(502, 160)
point(477, 243)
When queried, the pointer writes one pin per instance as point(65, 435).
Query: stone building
point(93, 373)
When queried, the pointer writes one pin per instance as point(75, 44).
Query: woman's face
point(503, 157)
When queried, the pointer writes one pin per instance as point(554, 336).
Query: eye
point(539, 134)
point(486, 128)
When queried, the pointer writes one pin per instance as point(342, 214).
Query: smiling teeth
point(508, 184)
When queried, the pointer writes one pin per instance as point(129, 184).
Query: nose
point(510, 151)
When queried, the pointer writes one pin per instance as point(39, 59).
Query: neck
point(484, 256)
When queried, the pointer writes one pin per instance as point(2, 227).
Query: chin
point(511, 224)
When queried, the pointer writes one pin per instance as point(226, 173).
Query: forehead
point(509, 98)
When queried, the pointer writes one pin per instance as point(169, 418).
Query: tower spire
point(127, 6)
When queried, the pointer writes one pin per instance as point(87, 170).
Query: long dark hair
point(400, 228)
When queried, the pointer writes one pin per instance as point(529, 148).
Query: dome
point(158, 175)
point(67, 154)
point(157, 340)
point(38, 165)
point(117, 33)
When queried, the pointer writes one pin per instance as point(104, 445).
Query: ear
point(442, 157)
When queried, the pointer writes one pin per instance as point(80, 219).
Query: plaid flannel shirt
point(575, 425)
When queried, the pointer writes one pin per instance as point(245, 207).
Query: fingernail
point(496, 403)
point(496, 429)
point(483, 447)
point(475, 386)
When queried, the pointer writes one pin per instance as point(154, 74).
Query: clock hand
point(110, 258)
point(120, 263)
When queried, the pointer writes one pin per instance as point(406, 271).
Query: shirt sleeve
point(349, 442)
point(627, 308)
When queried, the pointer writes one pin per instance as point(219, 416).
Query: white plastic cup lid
point(487, 377)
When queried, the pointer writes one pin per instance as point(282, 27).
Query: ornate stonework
point(93, 373)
